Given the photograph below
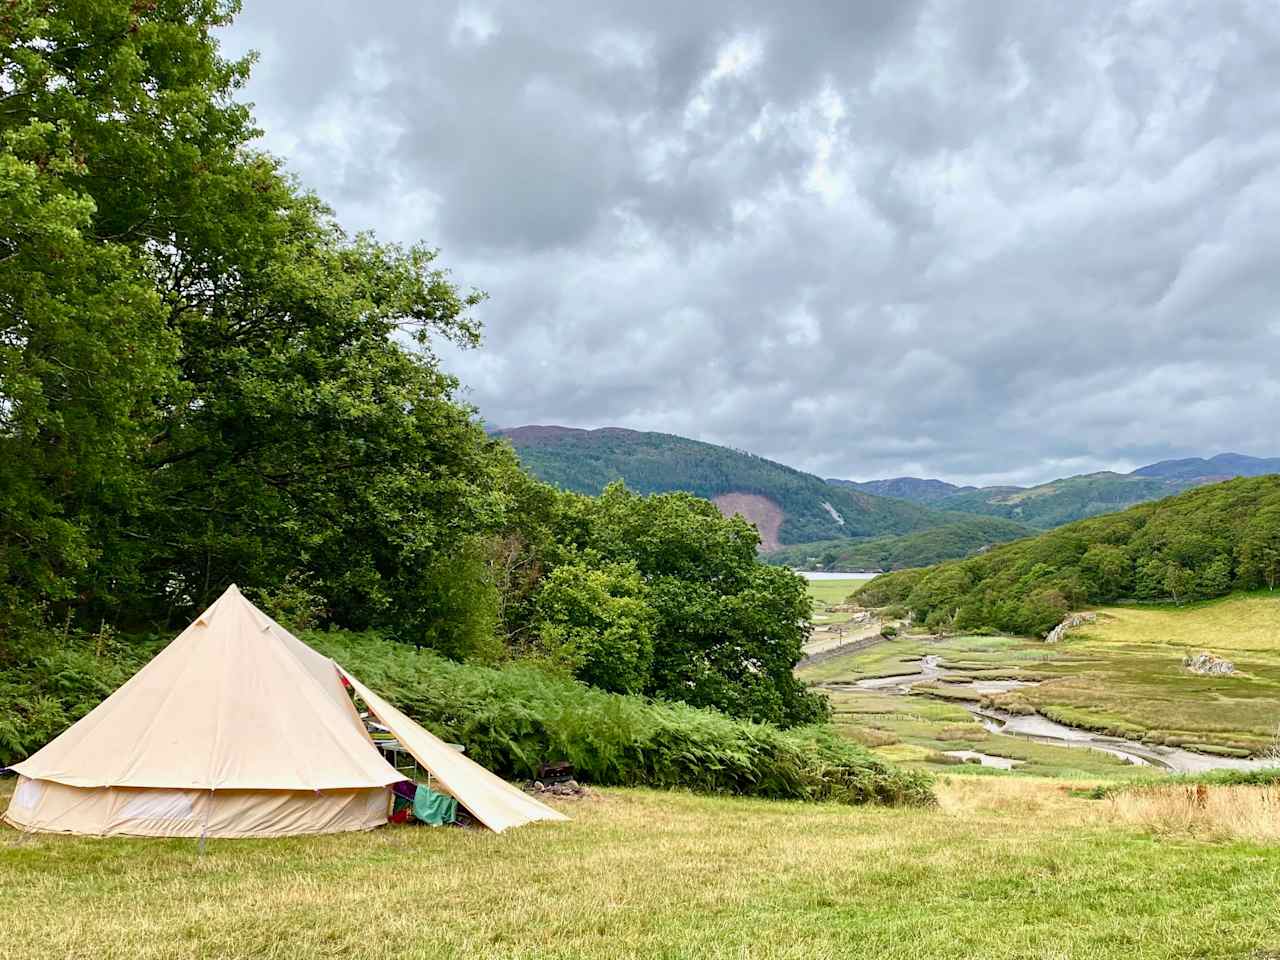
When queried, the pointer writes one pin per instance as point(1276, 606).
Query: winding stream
point(1043, 730)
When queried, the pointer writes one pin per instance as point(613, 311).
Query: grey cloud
point(1005, 240)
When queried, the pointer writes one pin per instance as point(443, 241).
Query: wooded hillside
point(952, 540)
point(587, 460)
point(1203, 543)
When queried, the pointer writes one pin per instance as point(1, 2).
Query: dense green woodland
point(957, 539)
point(588, 460)
point(1200, 544)
point(205, 379)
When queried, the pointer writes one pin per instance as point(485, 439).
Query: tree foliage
point(202, 377)
point(728, 629)
point(596, 620)
point(1195, 546)
point(625, 571)
point(205, 379)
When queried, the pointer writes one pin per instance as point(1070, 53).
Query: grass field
point(1244, 622)
point(830, 593)
point(1003, 868)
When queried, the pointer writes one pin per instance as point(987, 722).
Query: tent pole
point(204, 831)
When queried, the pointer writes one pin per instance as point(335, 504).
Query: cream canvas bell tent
point(239, 729)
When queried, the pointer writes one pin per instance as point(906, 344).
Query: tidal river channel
point(1043, 730)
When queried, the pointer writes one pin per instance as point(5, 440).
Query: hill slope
point(961, 538)
point(788, 505)
point(1052, 504)
point(1062, 501)
point(1200, 544)
point(915, 489)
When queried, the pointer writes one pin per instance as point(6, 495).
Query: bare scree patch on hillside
point(763, 512)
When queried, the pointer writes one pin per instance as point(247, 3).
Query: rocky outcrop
point(1207, 664)
point(1074, 620)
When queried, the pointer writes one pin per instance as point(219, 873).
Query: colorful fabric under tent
point(239, 729)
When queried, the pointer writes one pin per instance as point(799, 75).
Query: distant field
point(832, 591)
point(1240, 622)
point(1004, 869)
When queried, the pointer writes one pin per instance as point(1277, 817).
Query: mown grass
point(1003, 868)
point(830, 593)
point(1241, 622)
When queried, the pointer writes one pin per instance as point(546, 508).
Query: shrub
point(515, 717)
point(48, 682)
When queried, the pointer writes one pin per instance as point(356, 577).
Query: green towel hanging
point(433, 807)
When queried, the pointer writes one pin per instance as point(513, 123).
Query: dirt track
point(857, 638)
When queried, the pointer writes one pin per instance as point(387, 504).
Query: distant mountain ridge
point(787, 505)
point(791, 507)
point(1068, 499)
point(1222, 465)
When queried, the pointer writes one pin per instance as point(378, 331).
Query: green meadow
point(1010, 868)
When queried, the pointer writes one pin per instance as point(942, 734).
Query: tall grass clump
point(515, 717)
point(1207, 811)
point(1214, 805)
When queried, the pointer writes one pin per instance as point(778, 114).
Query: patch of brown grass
point(1201, 811)
point(869, 736)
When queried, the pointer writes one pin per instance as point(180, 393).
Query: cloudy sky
point(997, 240)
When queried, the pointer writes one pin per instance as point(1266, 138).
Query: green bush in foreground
point(516, 717)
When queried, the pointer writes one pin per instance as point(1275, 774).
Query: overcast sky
point(984, 241)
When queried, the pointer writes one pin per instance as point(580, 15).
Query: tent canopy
point(237, 703)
